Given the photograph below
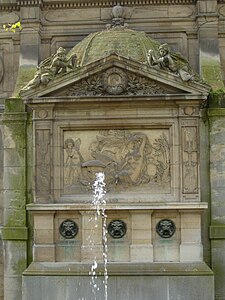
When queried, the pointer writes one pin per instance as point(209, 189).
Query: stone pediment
point(116, 76)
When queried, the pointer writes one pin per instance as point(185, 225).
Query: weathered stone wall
point(217, 174)
point(196, 29)
point(1, 208)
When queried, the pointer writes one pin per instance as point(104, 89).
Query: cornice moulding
point(67, 4)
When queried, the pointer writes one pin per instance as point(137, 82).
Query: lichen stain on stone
point(20, 266)
point(211, 72)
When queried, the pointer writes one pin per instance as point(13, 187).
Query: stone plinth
point(126, 281)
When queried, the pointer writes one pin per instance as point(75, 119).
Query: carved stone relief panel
point(43, 162)
point(115, 81)
point(190, 160)
point(132, 160)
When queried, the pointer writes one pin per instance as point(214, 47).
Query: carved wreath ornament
point(115, 81)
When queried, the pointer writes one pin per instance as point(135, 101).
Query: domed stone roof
point(120, 40)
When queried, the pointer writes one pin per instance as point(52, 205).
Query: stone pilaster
point(141, 248)
point(217, 177)
point(29, 45)
point(91, 248)
point(14, 231)
point(191, 247)
point(209, 58)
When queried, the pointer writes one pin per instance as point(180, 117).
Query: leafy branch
point(12, 27)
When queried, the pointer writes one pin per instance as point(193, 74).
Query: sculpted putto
point(171, 62)
point(55, 65)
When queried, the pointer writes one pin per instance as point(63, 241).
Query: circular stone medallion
point(117, 229)
point(165, 228)
point(68, 229)
point(114, 81)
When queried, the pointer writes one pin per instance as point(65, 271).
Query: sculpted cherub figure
point(170, 62)
point(54, 65)
point(60, 62)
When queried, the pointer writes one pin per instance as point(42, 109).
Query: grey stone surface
point(194, 28)
point(218, 265)
point(119, 288)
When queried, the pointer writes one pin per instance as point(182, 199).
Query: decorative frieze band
point(47, 4)
point(29, 2)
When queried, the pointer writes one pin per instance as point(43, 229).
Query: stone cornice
point(103, 3)
point(68, 4)
point(29, 2)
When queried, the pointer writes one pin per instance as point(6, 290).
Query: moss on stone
point(211, 73)
point(217, 99)
point(14, 233)
point(20, 266)
point(122, 41)
point(14, 105)
point(24, 76)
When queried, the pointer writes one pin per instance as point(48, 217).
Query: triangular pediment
point(116, 76)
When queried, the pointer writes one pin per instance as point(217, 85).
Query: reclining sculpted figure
point(52, 66)
point(171, 62)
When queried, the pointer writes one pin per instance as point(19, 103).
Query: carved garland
point(115, 82)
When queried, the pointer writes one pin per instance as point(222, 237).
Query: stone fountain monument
point(124, 105)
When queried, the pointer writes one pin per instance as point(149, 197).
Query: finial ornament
point(118, 16)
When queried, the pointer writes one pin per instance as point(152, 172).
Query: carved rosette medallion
point(68, 229)
point(117, 229)
point(165, 228)
point(114, 81)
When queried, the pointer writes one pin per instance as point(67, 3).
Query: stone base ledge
point(121, 206)
point(118, 269)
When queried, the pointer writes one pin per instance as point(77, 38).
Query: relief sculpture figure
point(171, 62)
point(127, 159)
point(73, 161)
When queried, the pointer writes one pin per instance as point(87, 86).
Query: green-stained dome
point(120, 40)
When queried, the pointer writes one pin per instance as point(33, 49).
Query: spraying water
point(99, 202)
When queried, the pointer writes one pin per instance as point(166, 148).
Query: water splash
point(99, 206)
